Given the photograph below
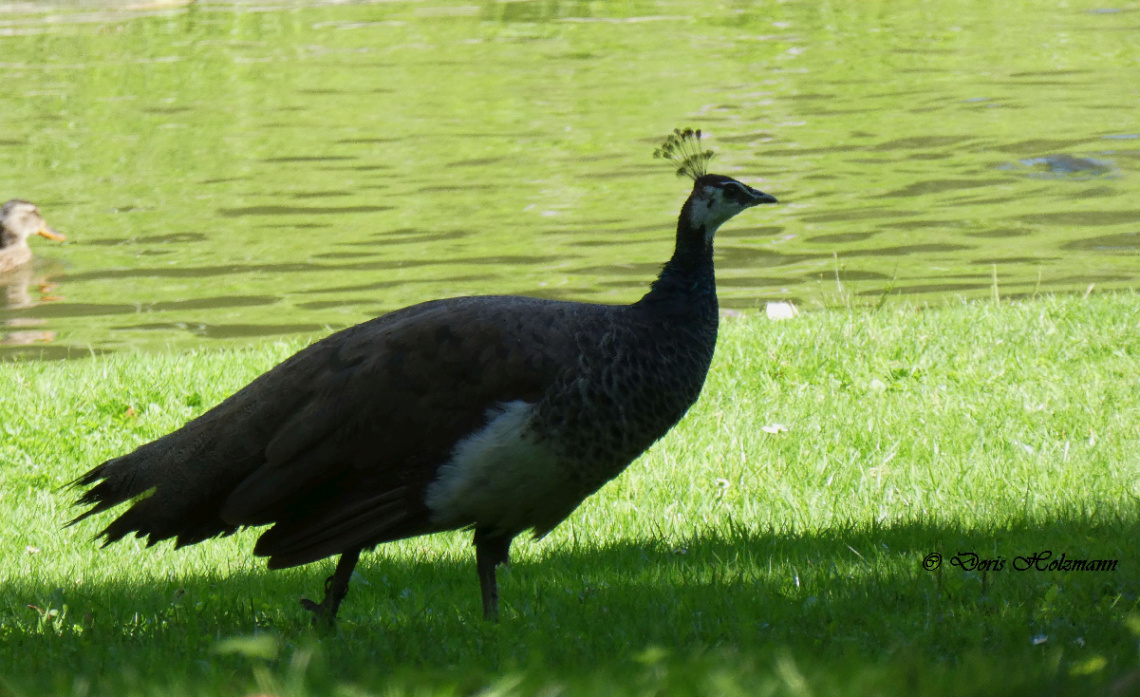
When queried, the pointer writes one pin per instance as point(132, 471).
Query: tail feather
point(174, 485)
point(105, 495)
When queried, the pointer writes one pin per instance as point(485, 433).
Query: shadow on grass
point(836, 594)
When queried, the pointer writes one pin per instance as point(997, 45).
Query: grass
point(773, 543)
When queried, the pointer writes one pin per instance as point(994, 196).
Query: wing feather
point(336, 445)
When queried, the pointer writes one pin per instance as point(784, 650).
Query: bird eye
point(736, 191)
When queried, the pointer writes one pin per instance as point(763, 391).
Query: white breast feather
point(498, 477)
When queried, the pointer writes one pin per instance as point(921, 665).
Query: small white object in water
point(781, 310)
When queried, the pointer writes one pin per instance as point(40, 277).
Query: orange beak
point(47, 232)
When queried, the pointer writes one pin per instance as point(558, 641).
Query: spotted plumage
point(496, 413)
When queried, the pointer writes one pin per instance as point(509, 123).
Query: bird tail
point(175, 486)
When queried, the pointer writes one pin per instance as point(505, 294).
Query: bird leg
point(490, 551)
point(336, 587)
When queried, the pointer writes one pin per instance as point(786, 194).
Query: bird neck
point(687, 280)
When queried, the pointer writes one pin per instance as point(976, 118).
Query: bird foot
point(322, 618)
point(324, 612)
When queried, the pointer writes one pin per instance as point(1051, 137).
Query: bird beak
point(47, 232)
point(759, 197)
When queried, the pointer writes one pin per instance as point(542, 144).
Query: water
point(227, 173)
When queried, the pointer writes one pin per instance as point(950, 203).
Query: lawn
point(779, 541)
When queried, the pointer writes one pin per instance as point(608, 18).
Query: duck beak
point(47, 232)
point(759, 197)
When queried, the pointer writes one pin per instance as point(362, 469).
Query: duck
point(494, 414)
point(19, 220)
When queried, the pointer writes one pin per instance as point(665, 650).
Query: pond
point(230, 172)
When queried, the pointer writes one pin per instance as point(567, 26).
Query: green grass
point(771, 544)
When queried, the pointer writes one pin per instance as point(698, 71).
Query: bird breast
point(502, 477)
point(531, 463)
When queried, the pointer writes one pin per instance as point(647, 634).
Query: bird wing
point(336, 445)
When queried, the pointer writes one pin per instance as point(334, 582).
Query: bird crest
point(683, 148)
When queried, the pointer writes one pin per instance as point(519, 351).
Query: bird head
point(715, 198)
point(19, 220)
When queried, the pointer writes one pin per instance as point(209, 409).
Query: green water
point(226, 173)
